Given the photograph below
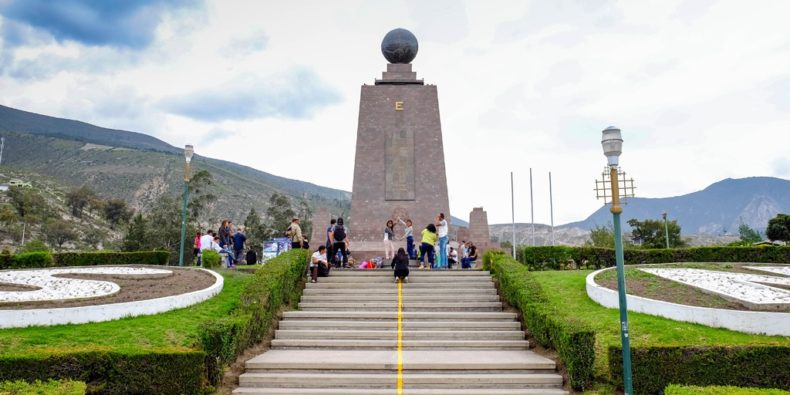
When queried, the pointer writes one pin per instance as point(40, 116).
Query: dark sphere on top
point(399, 46)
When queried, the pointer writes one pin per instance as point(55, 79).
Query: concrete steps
point(455, 340)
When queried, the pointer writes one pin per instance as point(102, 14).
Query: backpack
point(288, 232)
point(340, 233)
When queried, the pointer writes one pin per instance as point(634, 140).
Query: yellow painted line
point(400, 338)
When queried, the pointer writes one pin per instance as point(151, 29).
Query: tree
point(29, 205)
point(650, 233)
point(58, 232)
point(602, 236)
point(80, 198)
point(94, 237)
point(199, 197)
point(749, 235)
point(779, 228)
point(279, 215)
point(255, 230)
point(136, 237)
point(115, 211)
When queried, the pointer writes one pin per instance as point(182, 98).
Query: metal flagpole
point(551, 206)
point(513, 214)
point(531, 207)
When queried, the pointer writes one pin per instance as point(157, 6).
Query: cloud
point(127, 24)
point(246, 45)
point(296, 94)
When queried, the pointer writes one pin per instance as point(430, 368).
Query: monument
point(399, 166)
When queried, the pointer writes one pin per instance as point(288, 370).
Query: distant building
point(15, 182)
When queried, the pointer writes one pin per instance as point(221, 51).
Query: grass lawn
point(566, 291)
point(175, 329)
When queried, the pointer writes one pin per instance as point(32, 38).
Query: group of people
point(228, 240)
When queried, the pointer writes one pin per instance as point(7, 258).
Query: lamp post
point(188, 152)
point(666, 228)
point(612, 143)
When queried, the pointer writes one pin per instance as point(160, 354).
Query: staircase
point(455, 339)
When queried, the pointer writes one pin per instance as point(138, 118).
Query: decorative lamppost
point(612, 143)
point(666, 228)
point(188, 152)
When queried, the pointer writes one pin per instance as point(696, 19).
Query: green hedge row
point(563, 257)
point(574, 343)
point(46, 259)
point(718, 390)
point(278, 283)
point(166, 372)
point(38, 387)
point(654, 368)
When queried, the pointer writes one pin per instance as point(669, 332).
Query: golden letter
point(398, 106)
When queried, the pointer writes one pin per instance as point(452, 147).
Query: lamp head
point(664, 215)
point(612, 143)
point(188, 152)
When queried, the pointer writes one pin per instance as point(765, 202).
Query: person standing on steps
point(408, 234)
point(340, 242)
point(389, 235)
point(441, 230)
point(426, 246)
point(400, 263)
point(294, 232)
point(330, 252)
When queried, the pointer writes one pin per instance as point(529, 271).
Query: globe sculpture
point(399, 46)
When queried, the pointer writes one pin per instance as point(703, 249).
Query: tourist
point(224, 233)
point(238, 244)
point(466, 263)
point(408, 234)
point(207, 240)
point(330, 252)
point(426, 245)
point(389, 235)
point(294, 232)
point(340, 242)
point(318, 264)
point(196, 251)
point(401, 265)
point(452, 258)
point(215, 245)
point(252, 257)
point(441, 230)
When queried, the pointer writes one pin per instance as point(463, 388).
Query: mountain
point(140, 168)
point(715, 210)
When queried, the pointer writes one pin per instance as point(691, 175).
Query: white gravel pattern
point(56, 288)
point(783, 270)
point(741, 286)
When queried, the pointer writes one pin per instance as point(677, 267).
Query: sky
point(699, 88)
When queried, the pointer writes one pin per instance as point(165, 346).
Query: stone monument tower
point(399, 167)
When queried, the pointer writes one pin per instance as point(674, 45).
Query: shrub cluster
point(210, 259)
point(165, 372)
point(45, 259)
point(654, 368)
point(719, 390)
point(563, 257)
point(572, 340)
point(51, 387)
point(278, 283)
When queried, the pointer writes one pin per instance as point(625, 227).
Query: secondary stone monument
point(399, 167)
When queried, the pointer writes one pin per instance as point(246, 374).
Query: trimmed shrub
point(166, 372)
point(573, 341)
point(31, 260)
point(277, 283)
point(563, 257)
point(34, 246)
point(654, 368)
point(210, 259)
point(51, 387)
point(717, 390)
point(155, 258)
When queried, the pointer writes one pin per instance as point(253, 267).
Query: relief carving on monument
point(400, 179)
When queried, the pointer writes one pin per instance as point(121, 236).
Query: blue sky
point(700, 88)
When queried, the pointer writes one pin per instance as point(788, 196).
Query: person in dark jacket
point(401, 265)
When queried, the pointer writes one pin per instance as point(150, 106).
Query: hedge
point(278, 283)
point(165, 372)
point(564, 257)
point(718, 390)
point(210, 259)
point(654, 368)
point(572, 340)
point(51, 387)
point(45, 259)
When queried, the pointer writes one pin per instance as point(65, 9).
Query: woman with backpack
point(389, 235)
point(426, 245)
point(339, 242)
point(401, 265)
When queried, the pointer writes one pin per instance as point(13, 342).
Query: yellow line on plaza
point(400, 337)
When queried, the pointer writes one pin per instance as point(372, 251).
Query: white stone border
point(757, 322)
point(108, 312)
